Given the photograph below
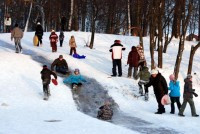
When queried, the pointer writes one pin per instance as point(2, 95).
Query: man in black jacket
point(39, 33)
point(46, 80)
point(61, 65)
point(160, 88)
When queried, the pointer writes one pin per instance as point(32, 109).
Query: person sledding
point(116, 50)
point(75, 79)
point(61, 65)
point(105, 112)
point(53, 40)
point(144, 76)
point(160, 88)
point(46, 80)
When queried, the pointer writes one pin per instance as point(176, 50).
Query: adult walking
point(160, 88)
point(39, 33)
point(17, 34)
point(116, 50)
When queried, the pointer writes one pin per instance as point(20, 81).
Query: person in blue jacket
point(174, 87)
point(75, 79)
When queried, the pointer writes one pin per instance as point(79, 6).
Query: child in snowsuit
point(46, 79)
point(61, 38)
point(75, 79)
point(144, 76)
point(174, 87)
point(105, 112)
point(188, 97)
point(72, 44)
point(53, 40)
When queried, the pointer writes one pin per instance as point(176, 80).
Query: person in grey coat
point(188, 97)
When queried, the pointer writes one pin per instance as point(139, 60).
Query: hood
point(134, 49)
point(187, 80)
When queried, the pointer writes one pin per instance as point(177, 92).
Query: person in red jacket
point(53, 40)
point(133, 61)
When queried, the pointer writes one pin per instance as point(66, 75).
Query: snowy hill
point(23, 111)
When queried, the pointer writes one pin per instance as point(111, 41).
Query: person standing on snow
point(133, 61)
point(53, 40)
point(116, 50)
point(61, 38)
point(46, 80)
point(7, 23)
point(144, 76)
point(17, 34)
point(188, 97)
point(39, 33)
point(72, 44)
point(174, 87)
point(160, 88)
point(105, 112)
point(75, 79)
point(61, 65)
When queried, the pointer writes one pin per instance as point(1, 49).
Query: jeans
point(73, 49)
point(62, 70)
point(61, 42)
point(173, 100)
point(18, 44)
point(134, 73)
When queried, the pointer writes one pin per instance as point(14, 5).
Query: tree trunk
point(71, 15)
point(199, 20)
point(192, 52)
point(27, 22)
point(129, 19)
point(185, 21)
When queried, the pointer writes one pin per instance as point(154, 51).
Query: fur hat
point(154, 71)
point(172, 77)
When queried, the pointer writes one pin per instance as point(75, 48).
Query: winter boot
point(141, 91)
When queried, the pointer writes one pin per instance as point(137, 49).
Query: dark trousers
point(161, 107)
point(62, 70)
point(117, 63)
point(130, 71)
point(8, 29)
point(46, 89)
point(173, 100)
point(73, 49)
point(61, 42)
point(54, 46)
point(39, 40)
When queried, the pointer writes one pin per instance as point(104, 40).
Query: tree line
point(161, 20)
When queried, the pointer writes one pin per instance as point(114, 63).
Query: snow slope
point(23, 110)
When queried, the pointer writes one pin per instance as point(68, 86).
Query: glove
point(196, 95)
point(193, 90)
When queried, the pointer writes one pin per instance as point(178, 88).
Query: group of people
point(137, 60)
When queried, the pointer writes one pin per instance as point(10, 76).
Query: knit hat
point(189, 76)
point(76, 70)
point(154, 71)
point(38, 23)
point(60, 56)
point(117, 41)
point(52, 31)
point(44, 66)
point(172, 77)
point(16, 25)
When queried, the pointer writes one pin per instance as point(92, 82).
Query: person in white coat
point(116, 50)
point(7, 23)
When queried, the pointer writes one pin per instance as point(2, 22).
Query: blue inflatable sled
point(78, 56)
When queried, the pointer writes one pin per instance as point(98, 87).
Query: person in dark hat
point(116, 50)
point(61, 65)
point(39, 33)
point(46, 80)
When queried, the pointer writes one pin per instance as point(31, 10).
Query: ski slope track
point(23, 111)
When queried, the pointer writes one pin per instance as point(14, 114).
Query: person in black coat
point(39, 33)
point(46, 79)
point(63, 23)
point(160, 88)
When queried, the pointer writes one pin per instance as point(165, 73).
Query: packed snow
point(23, 110)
